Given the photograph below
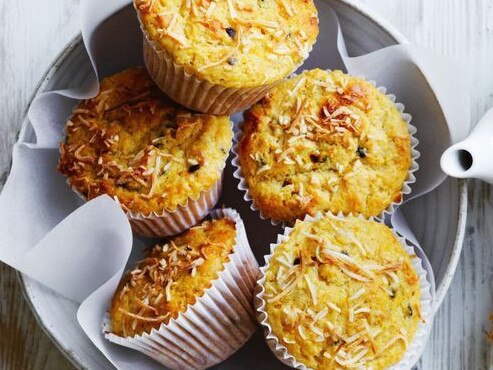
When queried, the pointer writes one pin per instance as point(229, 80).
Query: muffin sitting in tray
point(193, 295)
point(324, 141)
point(220, 57)
point(171, 277)
point(343, 293)
point(162, 162)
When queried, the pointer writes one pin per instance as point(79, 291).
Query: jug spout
point(471, 157)
point(458, 161)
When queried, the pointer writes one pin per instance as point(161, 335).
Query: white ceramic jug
point(470, 157)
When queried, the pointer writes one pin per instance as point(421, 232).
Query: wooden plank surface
point(31, 35)
point(33, 32)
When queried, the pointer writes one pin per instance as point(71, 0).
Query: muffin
point(325, 141)
point(220, 57)
point(161, 162)
point(343, 293)
point(193, 295)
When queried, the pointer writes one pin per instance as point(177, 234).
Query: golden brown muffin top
point(343, 293)
point(134, 144)
point(324, 141)
point(233, 43)
point(171, 278)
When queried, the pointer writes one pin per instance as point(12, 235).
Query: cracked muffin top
point(324, 141)
point(233, 43)
point(343, 293)
point(134, 144)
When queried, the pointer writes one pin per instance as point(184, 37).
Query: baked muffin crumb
point(324, 141)
point(342, 293)
point(172, 277)
point(134, 144)
point(232, 43)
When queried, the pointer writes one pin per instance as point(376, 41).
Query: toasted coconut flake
point(352, 338)
point(144, 318)
point(282, 260)
point(232, 10)
point(393, 276)
point(287, 7)
point(334, 307)
point(286, 290)
point(351, 315)
point(259, 23)
point(302, 333)
point(210, 9)
point(387, 290)
point(354, 275)
point(352, 362)
point(149, 171)
point(358, 294)
point(79, 157)
point(213, 64)
point(158, 298)
point(263, 169)
point(311, 288)
point(124, 290)
point(172, 23)
point(320, 314)
point(393, 341)
point(390, 267)
point(286, 340)
point(145, 304)
point(282, 50)
point(168, 290)
point(362, 310)
point(297, 86)
point(317, 331)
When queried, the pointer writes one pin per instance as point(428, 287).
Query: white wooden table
point(32, 32)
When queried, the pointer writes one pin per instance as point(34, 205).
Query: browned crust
point(144, 301)
point(261, 138)
point(133, 143)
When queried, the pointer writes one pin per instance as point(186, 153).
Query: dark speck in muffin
point(231, 32)
point(194, 168)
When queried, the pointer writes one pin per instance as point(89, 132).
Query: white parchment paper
point(77, 249)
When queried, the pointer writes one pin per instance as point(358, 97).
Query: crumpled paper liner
point(406, 186)
point(416, 346)
point(217, 324)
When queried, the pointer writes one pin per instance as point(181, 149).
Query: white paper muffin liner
point(216, 325)
point(416, 346)
point(193, 92)
point(406, 187)
point(167, 223)
point(172, 222)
